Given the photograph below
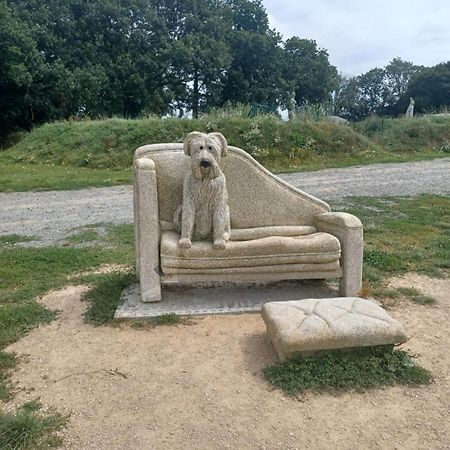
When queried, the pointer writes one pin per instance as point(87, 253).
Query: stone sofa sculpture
point(277, 231)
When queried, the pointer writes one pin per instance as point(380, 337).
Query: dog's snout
point(205, 163)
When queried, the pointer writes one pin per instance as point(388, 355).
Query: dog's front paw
point(219, 244)
point(185, 243)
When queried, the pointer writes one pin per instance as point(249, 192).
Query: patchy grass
point(167, 319)
point(403, 235)
point(104, 297)
point(12, 239)
point(359, 369)
point(410, 135)
point(85, 236)
point(417, 297)
point(27, 273)
point(7, 362)
point(409, 293)
point(29, 429)
point(28, 177)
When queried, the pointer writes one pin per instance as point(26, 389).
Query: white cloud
point(361, 35)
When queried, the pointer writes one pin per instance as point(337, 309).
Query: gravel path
point(51, 216)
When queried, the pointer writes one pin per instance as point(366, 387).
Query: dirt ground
point(200, 385)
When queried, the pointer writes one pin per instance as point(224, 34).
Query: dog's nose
point(205, 163)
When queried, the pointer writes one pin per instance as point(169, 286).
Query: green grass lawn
point(403, 235)
point(32, 177)
point(359, 369)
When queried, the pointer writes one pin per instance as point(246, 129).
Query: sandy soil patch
point(200, 386)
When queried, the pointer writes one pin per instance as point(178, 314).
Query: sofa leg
point(351, 261)
point(349, 230)
point(150, 288)
point(349, 285)
point(147, 230)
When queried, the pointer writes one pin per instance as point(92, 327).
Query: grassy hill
point(73, 154)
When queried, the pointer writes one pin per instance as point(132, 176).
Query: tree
point(308, 71)
point(430, 89)
point(255, 72)
point(199, 53)
point(115, 53)
point(371, 92)
point(17, 51)
point(346, 99)
point(398, 74)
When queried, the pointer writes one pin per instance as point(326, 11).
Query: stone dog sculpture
point(204, 212)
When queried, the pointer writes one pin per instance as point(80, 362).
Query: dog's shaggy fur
point(204, 212)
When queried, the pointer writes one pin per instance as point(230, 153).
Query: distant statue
point(291, 106)
point(410, 110)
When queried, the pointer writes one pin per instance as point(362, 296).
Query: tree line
point(387, 91)
point(61, 58)
point(128, 58)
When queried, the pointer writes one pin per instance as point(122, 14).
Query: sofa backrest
point(257, 198)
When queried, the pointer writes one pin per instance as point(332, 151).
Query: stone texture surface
point(316, 248)
point(349, 230)
point(146, 228)
point(310, 325)
point(256, 197)
point(227, 299)
point(257, 200)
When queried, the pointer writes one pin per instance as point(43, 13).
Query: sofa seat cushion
point(319, 251)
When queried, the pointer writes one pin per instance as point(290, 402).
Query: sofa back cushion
point(257, 198)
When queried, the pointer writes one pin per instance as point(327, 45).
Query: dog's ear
point(188, 141)
point(223, 142)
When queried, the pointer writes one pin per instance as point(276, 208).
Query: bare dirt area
point(200, 385)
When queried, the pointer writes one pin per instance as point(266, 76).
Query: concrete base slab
point(227, 299)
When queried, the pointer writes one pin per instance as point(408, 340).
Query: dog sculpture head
point(205, 151)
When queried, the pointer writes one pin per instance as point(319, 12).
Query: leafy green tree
point(398, 74)
point(255, 72)
point(115, 53)
point(17, 53)
point(309, 72)
point(371, 92)
point(346, 99)
point(430, 89)
point(199, 54)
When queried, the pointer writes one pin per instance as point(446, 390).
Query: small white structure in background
point(410, 110)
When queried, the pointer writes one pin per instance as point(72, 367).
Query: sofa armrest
point(146, 229)
point(349, 230)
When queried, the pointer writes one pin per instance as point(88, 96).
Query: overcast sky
point(360, 34)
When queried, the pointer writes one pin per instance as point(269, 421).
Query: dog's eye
point(201, 147)
point(209, 148)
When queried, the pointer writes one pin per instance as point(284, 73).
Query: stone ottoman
point(310, 325)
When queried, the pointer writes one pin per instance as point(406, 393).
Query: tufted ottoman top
point(303, 326)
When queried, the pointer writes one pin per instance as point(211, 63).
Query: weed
point(7, 362)
point(11, 239)
point(87, 235)
point(105, 296)
point(359, 369)
point(27, 429)
point(167, 319)
point(415, 296)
